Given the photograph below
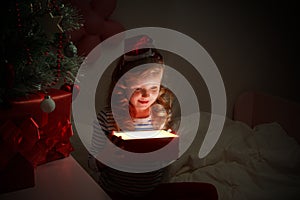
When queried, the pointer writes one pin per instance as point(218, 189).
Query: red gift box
point(36, 136)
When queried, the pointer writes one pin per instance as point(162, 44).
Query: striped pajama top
point(115, 181)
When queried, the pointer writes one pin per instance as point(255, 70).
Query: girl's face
point(145, 91)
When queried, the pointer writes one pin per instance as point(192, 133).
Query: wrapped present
point(27, 132)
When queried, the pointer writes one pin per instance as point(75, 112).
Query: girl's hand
point(118, 141)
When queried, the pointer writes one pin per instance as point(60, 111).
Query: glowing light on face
point(144, 91)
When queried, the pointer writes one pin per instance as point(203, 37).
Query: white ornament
point(47, 105)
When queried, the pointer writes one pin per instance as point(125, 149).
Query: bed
point(256, 157)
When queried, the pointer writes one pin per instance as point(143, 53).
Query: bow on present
point(55, 138)
point(32, 143)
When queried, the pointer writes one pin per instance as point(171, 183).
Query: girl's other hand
point(118, 141)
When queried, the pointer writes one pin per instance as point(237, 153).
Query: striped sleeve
point(101, 127)
point(128, 184)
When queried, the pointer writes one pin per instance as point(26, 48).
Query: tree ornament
point(73, 88)
point(47, 105)
point(66, 87)
point(59, 55)
point(70, 50)
point(51, 24)
point(75, 91)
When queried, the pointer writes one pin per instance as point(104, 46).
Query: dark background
point(253, 43)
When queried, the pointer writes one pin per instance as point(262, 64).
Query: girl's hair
point(130, 63)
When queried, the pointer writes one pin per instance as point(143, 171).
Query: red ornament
point(66, 87)
point(76, 90)
point(73, 88)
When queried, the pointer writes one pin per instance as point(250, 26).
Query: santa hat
point(138, 47)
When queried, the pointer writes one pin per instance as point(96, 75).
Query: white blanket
point(263, 163)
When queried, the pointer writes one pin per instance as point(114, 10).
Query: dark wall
point(254, 44)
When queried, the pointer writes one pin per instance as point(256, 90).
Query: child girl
point(136, 89)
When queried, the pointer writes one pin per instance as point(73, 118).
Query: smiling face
point(144, 90)
point(145, 95)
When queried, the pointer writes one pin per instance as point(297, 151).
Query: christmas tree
point(36, 51)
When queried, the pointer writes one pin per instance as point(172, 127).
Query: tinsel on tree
point(36, 51)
